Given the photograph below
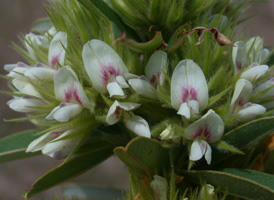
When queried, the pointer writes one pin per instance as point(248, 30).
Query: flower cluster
point(55, 94)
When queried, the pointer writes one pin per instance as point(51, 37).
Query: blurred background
point(16, 17)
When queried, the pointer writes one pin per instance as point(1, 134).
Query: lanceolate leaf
point(244, 135)
point(68, 170)
point(111, 15)
point(247, 184)
point(13, 147)
point(144, 155)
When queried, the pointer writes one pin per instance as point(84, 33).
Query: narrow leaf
point(68, 170)
point(13, 147)
point(244, 135)
point(247, 184)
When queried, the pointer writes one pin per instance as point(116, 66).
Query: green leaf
point(244, 135)
point(144, 155)
point(247, 184)
point(13, 147)
point(87, 192)
point(68, 170)
point(41, 25)
point(111, 15)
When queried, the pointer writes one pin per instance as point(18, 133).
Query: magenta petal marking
point(238, 65)
point(108, 72)
point(189, 93)
point(154, 77)
point(53, 61)
point(202, 132)
point(117, 112)
point(72, 94)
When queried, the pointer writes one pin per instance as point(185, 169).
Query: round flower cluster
point(171, 105)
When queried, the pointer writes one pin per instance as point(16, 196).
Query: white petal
point(32, 42)
point(65, 112)
point(102, 64)
point(122, 82)
point(254, 73)
point(138, 125)
point(160, 187)
point(250, 111)
point(9, 67)
point(130, 76)
point(57, 51)
point(43, 73)
point(115, 109)
point(26, 88)
point(263, 87)
point(184, 110)
point(68, 88)
point(142, 87)
point(210, 127)
point(264, 54)
point(40, 142)
point(208, 154)
point(128, 105)
point(196, 152)
point(18, 70)
point(242, 93)
point(188, 83)
point(60, 149)
point(194, 106)
point(156, 64)
point(24, 104)
point(114, 89)
point(239, 56)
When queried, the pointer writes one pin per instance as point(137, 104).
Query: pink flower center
point(53, 61)
point(238, 65)
point(154, 77)
point(109, 72)
point(117, 112)
point(202, 132)
point(189, 93)
point(72, 94)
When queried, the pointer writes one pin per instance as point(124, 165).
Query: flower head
point(104, 67)
point(206, 130)
point(189, 91)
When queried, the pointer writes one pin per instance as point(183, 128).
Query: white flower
point(156, 66)
point(33, 42)
point(41, 71)
point(56, 54)
point(246, 54)
point(26, 104)
point(51, 145)
point(114, 112)
point(206, 130)
point(138, 125)
point(160, 187)
point(239, 56)
point(254, 71)
point(189, 91)
point(133, 122)
point(105, 68)
point(240, 106)
point(70, 92)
